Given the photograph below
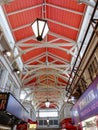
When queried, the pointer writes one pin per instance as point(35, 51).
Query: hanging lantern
point(47, 103)
point(40, 28)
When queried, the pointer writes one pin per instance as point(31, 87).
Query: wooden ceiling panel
point(63, 31)
point(31, 54)
point(67, 18)
point(24, 18)
point(23, 33)
point(69, 4)
point(21, 4)
point(47, 64)
point(60, 53)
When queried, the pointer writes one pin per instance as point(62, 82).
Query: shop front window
point(12, 87)
point(1, 71)
point(90, 124)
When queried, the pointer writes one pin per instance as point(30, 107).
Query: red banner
point(67, 124)
point(21, 127)
point(32, 122)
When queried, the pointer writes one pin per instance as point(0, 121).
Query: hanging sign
point(15, 108)
point(3, 101)
point(22, 126)
point(11, 105)
point(87, 105)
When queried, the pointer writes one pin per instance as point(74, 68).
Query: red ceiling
point(64, 19)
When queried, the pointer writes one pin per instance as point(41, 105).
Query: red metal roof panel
point(69, 4)
point(21, 4)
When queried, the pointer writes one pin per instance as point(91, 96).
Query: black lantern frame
point(40, 28)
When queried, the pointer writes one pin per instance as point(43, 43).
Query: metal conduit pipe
point(68, 88)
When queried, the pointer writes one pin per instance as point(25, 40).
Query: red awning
point(32, 122)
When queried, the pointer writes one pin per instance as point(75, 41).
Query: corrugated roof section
point(47, 62)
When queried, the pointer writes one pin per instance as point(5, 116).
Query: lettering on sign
point(87, 99)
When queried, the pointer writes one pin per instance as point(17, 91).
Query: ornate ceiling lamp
point(47, 103)
point(40, 25)
point(40, 28)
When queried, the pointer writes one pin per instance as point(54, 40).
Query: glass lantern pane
point(35, 29)
point(45, 31)
point(41, 26)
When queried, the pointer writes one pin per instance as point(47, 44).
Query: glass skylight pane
point(48, 114)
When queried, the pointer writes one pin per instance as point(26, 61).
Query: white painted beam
point(49, 20)
point(62, 37)
point(62, 24)
point(45, 44)
point(45, 66)
point(25, 9)
point(53, 72)
point(64, 9)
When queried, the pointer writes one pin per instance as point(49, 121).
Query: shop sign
point(16, 108)
point(11, 105)
point(3, 101)
point(22, 127)
point(87, 105)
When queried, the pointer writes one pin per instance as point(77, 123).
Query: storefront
point(90, 124)
point(66, 124)
point(85, 111)
point(11, 111)
point(30, 125)
point(5, 127)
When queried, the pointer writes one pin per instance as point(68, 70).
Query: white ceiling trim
point(45, 66)
point(62, 24)
point(56, 46)
point(22, 10)
point(54, 57)
point(57, 58)
point(54, 40)
point(64, 9)
point(45, 44)
point(41, 67)
point(26, 39)
point(49, 20)
point(36, 58)
point(22, 27)
point(62, 37)
point(51, 33)
point(53, 72)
